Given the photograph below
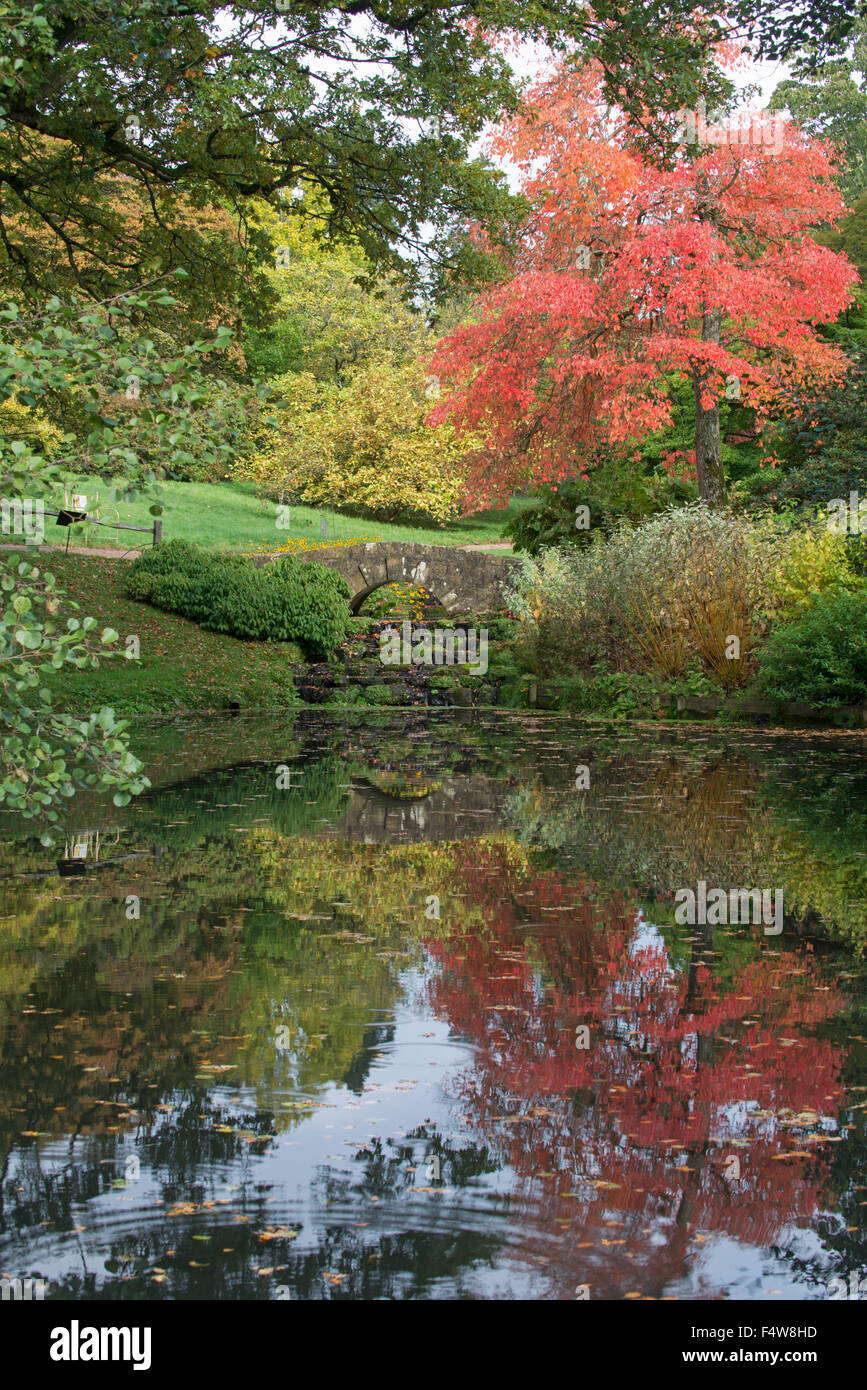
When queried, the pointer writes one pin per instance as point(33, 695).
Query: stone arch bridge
point(461, 581)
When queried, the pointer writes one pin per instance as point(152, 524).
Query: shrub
point(680, 586)
point(811, 560)
point(820, 655)
point(555, 597)
point(171, 592)
point(644, 596)
point(615, 489)
point(171, 557)
point(841, 468)
point(691, 581)
point(287, 600)
point(140, 585)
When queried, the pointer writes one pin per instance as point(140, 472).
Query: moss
point(383, 694)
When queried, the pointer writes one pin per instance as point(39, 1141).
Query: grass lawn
point(182, 666)
point(229, 516)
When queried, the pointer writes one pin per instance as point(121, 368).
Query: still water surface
point(311, 1026)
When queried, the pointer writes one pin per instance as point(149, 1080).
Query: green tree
point(377, 103)
point(326, 320)
point(829, 100)
point(810, 28)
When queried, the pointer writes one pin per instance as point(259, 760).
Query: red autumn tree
point(623, 273)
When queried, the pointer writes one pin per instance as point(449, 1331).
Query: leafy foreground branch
point(46, 755)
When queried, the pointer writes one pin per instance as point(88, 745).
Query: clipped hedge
point(287, 600)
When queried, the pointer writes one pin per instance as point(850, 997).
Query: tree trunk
point(708, 444)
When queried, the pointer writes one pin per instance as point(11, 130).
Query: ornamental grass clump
point(691, 582)
point(555, 596)
point(688, 584)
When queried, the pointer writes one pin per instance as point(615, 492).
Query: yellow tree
point(365, 445)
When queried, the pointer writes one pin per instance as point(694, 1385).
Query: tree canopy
point(829, 101)
point(376, 102)
point(624, 272)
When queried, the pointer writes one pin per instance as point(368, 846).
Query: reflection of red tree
point(683, 1076)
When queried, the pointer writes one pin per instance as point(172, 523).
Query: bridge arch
point(357, 601)
point(463, 581)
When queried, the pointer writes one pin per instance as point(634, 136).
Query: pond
point(404, 1007)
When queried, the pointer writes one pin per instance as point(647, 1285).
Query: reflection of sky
point(315, 1168)
point(722, 1261)
point(313, 1173)
point(649, 938)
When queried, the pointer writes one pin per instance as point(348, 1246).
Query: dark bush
point(287, 600)
point(820, 655)
point(613, 490)
point(839, 470)
point(172, 557)
point(171, 592)
point(140, 585)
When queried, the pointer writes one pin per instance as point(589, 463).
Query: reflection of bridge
point(462, 808)
point(462, 581)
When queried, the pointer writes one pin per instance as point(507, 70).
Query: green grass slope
point(230, 516)
point(182, 667)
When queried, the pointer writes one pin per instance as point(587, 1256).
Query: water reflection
point(419, 1023)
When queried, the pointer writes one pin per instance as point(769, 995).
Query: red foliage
point(616, 263)
point(683, 1073)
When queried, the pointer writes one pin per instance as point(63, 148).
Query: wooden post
point(158, 530)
